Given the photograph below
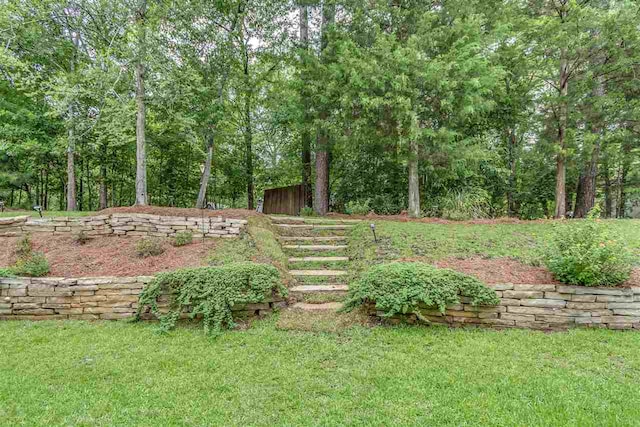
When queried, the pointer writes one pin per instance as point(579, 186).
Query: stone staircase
point(318, 261)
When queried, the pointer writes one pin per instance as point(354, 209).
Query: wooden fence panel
point(284, 200)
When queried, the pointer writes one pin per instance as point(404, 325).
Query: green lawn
point(46, 213)
point(75, 373)
point(522, 241)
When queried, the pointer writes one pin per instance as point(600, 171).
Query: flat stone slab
point(323, 259)
point(311, 220)
point(318, 272)
point(316, 247)
point(314, 239)
point(318, 307)
point(319, 288)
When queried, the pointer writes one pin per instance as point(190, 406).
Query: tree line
point(451, 108)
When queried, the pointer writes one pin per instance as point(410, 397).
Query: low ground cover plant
point(210, 292)
point(182, 238)
point(401, 287)
point(588, 253)
point(28, 262)
point(80, 237)
point(149, 247)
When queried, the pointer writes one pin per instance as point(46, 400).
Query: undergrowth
point(210, 292)
point(402, 287)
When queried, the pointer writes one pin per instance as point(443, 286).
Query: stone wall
point(123, 225)
point(90, 298)
point(546, 307)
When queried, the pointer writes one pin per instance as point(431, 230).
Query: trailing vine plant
point(401, 287)
point(210, 292)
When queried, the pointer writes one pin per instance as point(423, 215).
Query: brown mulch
point(192, 212)
point(504, 270)
point(404, 217)
point(107, 256)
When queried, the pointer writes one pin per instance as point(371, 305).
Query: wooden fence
point(284, 200)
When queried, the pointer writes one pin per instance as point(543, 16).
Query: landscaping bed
point(108, 255)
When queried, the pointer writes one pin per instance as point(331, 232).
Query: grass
point(521, 241)
point(112, 373)
point(35, 214)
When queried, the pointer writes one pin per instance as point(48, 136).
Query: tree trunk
point(624, 169)
point(305, 135)
point(608, 202)
point(414, 186)
point(206, 173)
point(321, 202)
point(561, 167)
point(248, 145)
point(512, 161)
point(141, 156)
point(71, 168)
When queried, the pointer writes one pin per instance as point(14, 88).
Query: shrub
point(183, 238)
point(24, 246)
point(6, 272)
point(357, 208)
point(384, 204)
point(34, 264)
point(400, 287)
point(80, 237)
point(465, 204)
point(586, 252)
point(149, 247)
point(210, 292)
point(307, 211)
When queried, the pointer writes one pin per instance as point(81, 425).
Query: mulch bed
point(404, 217)
point(108, 256)
point(192, 212)
point(505, 270)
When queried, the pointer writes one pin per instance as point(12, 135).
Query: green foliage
point(587, 252)
point(307, 211)
point(33, 265)
point(210, 292)
point(465, 204)
point(24, 246)
point(149, 246)
point(233, 250)
point(355, 207)
point(182, 238)
point(80, 237)
point(385, 204)
point(6, 272)
point(402, 286)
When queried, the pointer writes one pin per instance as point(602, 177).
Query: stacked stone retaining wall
point(546, 307)
point(92, 298)
point(124, 224)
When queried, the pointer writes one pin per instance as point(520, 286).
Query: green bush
point(210, 292)
point(357, 208)
point(6, 272)
point(307, 211)
point(80, 237)
point(465, 204)
point(400, 287)
point(34, 264)
point(586, 252)
point(24, 246)
point(384, 204)
point(149, 247)
point(183, 238)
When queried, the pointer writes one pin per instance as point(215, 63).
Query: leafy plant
point(182, 238)
point(467, 204)
point(149, 247)
point(80, 237)
point(34, 264)
point(210, 292)
point(307, 211)
point(355, 207)
point(6, 272)
point(401, 287)
point(587, 252)
point(24, 246)
point(385, 204)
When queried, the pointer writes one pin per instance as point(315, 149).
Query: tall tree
point(141, 156)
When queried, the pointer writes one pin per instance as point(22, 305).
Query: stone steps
point(317, 273)
point(320, 288)
point(327, 306)
point(313, 239)
point(316, 247)
point(311, 220)
point(314, 227)
point(320, 259)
